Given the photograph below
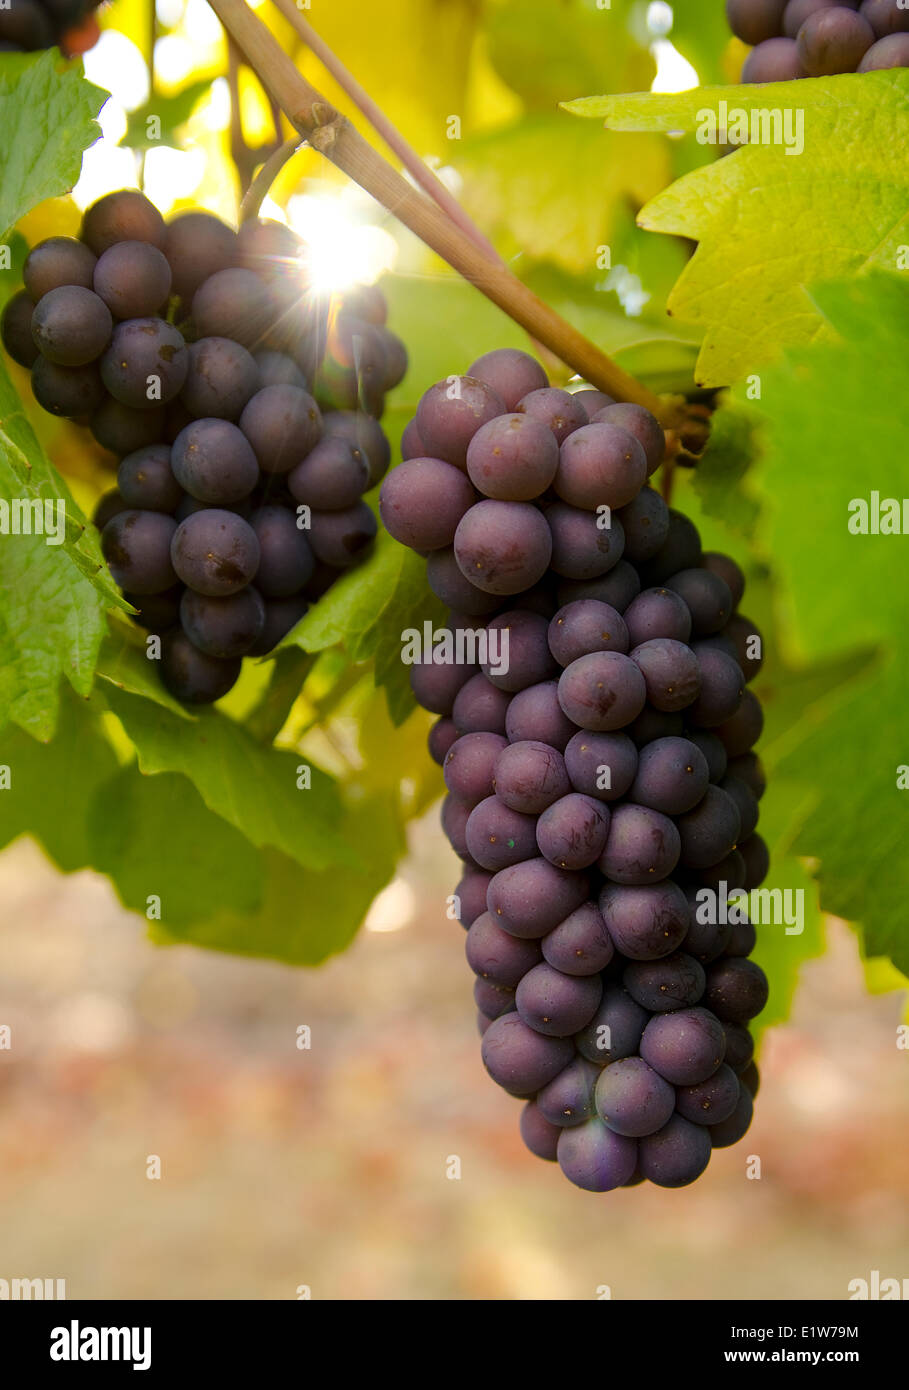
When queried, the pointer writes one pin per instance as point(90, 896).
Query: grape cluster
point(599, 779)
point(241, 408)
point(817, 38)
point(27, 25)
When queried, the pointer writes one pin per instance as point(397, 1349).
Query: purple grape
point(675, 982)
point(642, 846)
point(709, 1102)
point(743, 729)
point(224, 627)
point(535, 715)
point(708, 598)
point(454, 816)
point(652, 724)
point(680, 551)
point(479, 707)
point(71, 326)
point(213, 461)
point(722, 687)
point(594, 1158)
point(568, 1099)
point(234, 303)
point(503, 547)
point(727, 569)
point(137, 547)
point(529, 776)
point(671, 673)
point(448, 584)
point(672, 776)
point(736, 989)
point(706, 939)
point(710, 830)
point(145, 364)
point(215, 552)
point(600, 465)
point(572, 831)
point(586, 626)
point(742, 939)
point(774, 60)
point(676, 1155)
point(685, 1046)
point(726, 874)
point(833, 40)
point(739, 1046)
point(558, 410)
point(340, 538)
point(281, 617)
point(197, 245)
point(523, 651)
point(123, 216)
point(580, 547)
point(728, 1132)
point(471, 895)
point(365, 434)
point(753, 21)
point(656, 613)
point(555, 1004)
point(133, 278)
point(221, 378)
point(16, 329)
point(645, 521)
point(601, 765)
point(602, 691)
point(510, 373)
point(531, 898)
point(645, 923)
point(513, 458)
point(451, 412)
point(638, 422)
point(496, 955)
point(749, 769)
point(757, 861)
point(192, 676)
point(615, 1029)
point(631, 1099)
point(581, 945)
point(73, 392)
point(286, 562)
point(885, 17)
point(469, 766)
point(498, 837)
point(277, 369)
point(617, 588)
point(145, 480)
point(57, 261)
point(751, 1079)
point(539, 1136)
point(521, 1060)
point(745, 801)
point(493, 1000)
point(157, 612)
point(334, 475)
point(412, 446)
point(437, 686)
point(592, 401)
point(712, 750)
point(748, 643)
point(422, 501)
point(282, 423)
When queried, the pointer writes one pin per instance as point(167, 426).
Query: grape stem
point(332, 134)
point(252, 198)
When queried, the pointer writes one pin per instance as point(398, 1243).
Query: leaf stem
point(333, 136)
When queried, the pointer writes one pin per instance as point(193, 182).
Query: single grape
point(498, 837)
point(594, 1158)
point(736, 989)
point(396, 359)
point(234, 303)
point(745, 801)
point(885, 17)
point(512, 458)
point(528, 775)
point(496, 955)
point(510, 373)
point(109, 504)
point(71, 326)
point(74, 392)
point(618, 587)
point(739, 1046)
point(645, 521)
point(726, 874)
point(137, 548)
point(535, 715)
point(644, 427)
point(364, 434)
point(333, 476)
point(751, 1079)
point(421, 502)
point(571, 833)
point(286, 560)
point(797, 11)
point(123, 216)
point(727, 569)
point(652, 724)
point(632, 1099)
point(16, 329)
point(454, 817)
point(221, 378)
point(775, 60)
point(133, 278)
point(712, 750)
point(157, 612)
point(670, 672)
point(581, 945)
point(742, 939)
point(753, 21)
point(503, 547)
point(122, 430)
point(340, 538)
point(522, 649)
point(707, 596)
point(642, 846)
point(531, 898)
point(192, 676)
point(592, 401)
point(707, 937)
point(479, 707)
point(722, 687)
point(451, 412)
point(539, 1136)
point(281, 616)
point(645, 923)
point(743, 729)
point(602, 691)
point(601, 765)
point(582, 548)
point(710, 830)
point(146, 481)
point(521, 1060)
point(730, 1131)
point(146, 363)
point(215, 552)
point(278, 369)
point(676, 1155)
point(656, 613)
point(214, 462)
point(412, 446)
point(282, 423)
point(441, 736)
point(712, 1101)
point(471, 895)
point(749, 769)
point(469, 767)
point(437, 685)
point(493, 1000)
point(672, 776)
point(197, 245)
point(674, 982)
point(568, 1099)
point(447, 582)
point(600, 465)
point(60, 260)
point(889, 52)
point(833, 40)
point(555, 1004)
point(681, 550)
point(615, 1029)
point(223, 627)
point(558, 410)
point(586, 626)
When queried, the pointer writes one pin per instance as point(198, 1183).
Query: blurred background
point(328, 1167)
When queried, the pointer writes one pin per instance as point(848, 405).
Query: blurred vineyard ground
point(327, 1167)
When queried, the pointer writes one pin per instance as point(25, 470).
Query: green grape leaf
point(157, 122)
point(730, 452)
point(11, 275)
point(155, 838)
point(252, 787)
point(52, 785)
point(306, 916)
point(47, 110)
point(368, 610)
point(769, 224)
point(126, 666)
